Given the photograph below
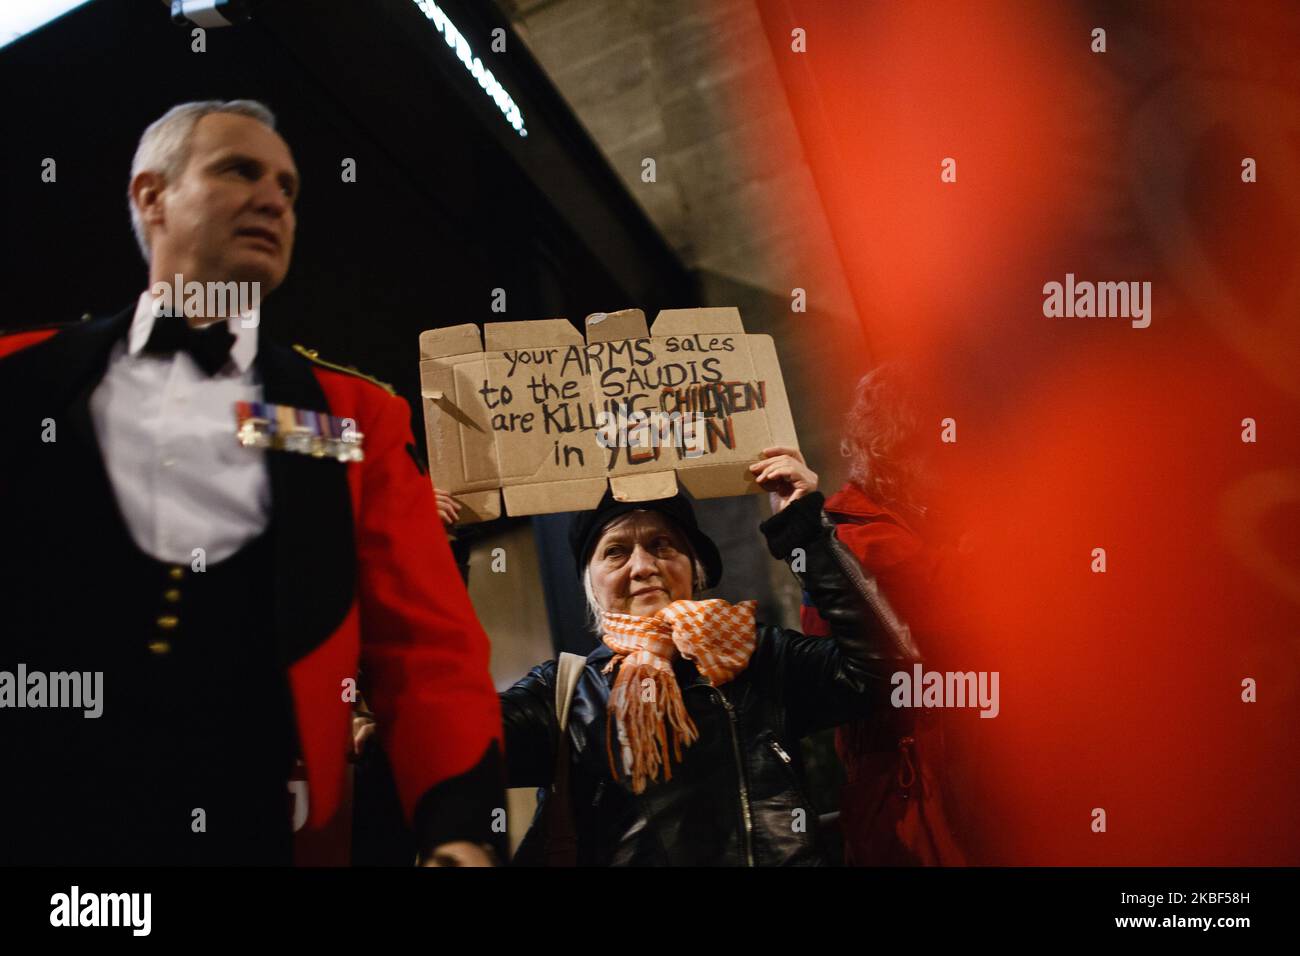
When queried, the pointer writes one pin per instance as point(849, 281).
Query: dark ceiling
point(449, 203)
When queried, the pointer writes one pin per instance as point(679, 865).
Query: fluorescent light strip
point(489, 83)
point(20, 17)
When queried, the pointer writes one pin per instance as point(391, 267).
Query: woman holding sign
point(681, 724)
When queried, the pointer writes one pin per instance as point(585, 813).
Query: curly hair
point(881, 440)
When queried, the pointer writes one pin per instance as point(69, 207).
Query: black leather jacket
point(736, 798)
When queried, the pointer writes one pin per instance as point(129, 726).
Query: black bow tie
point(208, 346)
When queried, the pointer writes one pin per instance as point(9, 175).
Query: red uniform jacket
point(365, 580)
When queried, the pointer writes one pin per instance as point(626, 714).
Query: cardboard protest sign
point(535, 413)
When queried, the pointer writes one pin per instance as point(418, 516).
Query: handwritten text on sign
point(650, 394)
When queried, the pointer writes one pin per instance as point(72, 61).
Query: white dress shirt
point(166, 431)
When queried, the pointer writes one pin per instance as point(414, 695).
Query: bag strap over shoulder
point(552, 839)
point(568, 670)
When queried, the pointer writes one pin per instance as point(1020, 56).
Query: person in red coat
point(893, 807)
point(215, 605)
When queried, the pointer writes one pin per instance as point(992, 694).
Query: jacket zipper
point(745, 812)
point(785, 757)
point(899, 632)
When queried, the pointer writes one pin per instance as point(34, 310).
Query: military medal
point(300, 430)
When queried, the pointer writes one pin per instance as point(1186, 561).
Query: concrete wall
point(693, 86)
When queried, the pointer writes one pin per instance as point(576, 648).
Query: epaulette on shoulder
point(311, 355)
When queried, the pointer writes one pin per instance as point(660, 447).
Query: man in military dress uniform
point(232, 534)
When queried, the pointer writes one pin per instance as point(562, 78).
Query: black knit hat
point(588, 525)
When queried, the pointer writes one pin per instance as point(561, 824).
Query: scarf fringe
point(718, 637)
point(645, 723)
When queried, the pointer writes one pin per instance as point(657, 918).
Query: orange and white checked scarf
point(646, 701)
